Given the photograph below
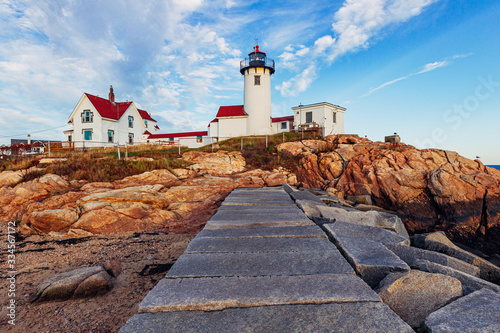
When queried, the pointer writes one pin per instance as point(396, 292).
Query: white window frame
point(91, 134)
point(130, 122)
point(112, 136)
point(131, 138)
point(87, 116)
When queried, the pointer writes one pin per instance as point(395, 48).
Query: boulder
point(415, 295)
point(216, 164)
point(81, 282)
point(470, 283)
point(154, 177)
point(437, 241)
point(360, 199)
point(477, 312)
point(9, 178)
point(370, 218)
point(411, 254)
point(53, 219)
point(275, 179)
point(297, 148)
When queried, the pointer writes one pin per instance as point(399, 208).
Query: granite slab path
point(260, 265)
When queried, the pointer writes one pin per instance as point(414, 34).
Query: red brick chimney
point(111, 94)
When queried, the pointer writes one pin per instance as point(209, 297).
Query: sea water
point(494, 166)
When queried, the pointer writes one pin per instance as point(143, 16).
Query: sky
point(425, 69)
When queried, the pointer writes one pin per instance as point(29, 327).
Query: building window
point(87, 135)
point(171, 139)
point(256, 80)
point(283, 125)
point(309, 117)
point(69, 138)
point(199, 139)
point(146, 122)
point(131, 138)
point(87, 116)
point(111, 134)
point(130, 121)
point(334, 117)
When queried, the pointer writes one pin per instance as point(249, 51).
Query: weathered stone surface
point(437, 241)
point(9, 178)
point(154, 177)
point(249, 198)
point(367, 208)
point(53, 219)
point(371, 260)
point(185, 173)
point(236, 245)
point(415, 295)
point(292, 232)
point(113, 267)
point(410, 254)
point(360, 199)
point(210, 294)
point(258, 264)
point(94, 285)
point(297, 148)
point(384, 236)
point(14, 200)
point(306, 195)
point(275, 179)
point(219, 163)
point(369, 317)
point(370, 218)
point(469, 283)
point(63, 286)
point(477, 312)
point(309, 208)
point(147, 194)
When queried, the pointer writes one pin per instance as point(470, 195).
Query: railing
point(266, 62)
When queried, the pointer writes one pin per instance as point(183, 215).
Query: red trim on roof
point(215, 120)
point(145, 115)
point(156, 127)
point(177, 135)
point(280, 119)
point(231, 111)
point(147, 133)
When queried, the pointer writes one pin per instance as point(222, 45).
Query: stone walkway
point(260, 265)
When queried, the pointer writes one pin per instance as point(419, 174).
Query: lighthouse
point(257, 70)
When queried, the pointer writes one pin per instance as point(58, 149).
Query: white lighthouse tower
point(257, 70)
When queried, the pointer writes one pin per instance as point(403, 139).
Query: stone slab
point(411, 254)
point(246, 224)
point(371, 260)
point(260, 214)
point(253, 201)
point(368, 317)
point(209, 294)
point(477, 312)
point(292, 232)
point(309, 208)
point(244, 245)
point(259, 264)
point(370, 218)
point(306, 195)
point(375, 234)
point(288, 189)
point(470, 283)
point(258, 189)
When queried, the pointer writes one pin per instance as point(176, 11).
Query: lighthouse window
point(309, 117)
point(257, 80)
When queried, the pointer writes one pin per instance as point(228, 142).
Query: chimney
point(111, 94)
point(29, 139)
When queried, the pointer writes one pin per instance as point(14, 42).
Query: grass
point(102, 164)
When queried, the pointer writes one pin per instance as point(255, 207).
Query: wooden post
point(266, 141)
point(179, 144)
point(126, 151)
point(283, 137)
point(241, 143)
point(118, 150)
point(49, 148)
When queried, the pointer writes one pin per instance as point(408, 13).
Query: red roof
point(145, 115)
point(280, 119)
point(147, 132)
point(107, 109)
point(113, 111)
point(177, 135)
point(156, 127)
point(231, 111)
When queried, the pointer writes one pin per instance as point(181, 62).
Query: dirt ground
point(145, 258)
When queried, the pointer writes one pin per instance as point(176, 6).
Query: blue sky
point(426, 69)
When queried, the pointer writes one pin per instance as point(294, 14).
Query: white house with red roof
point(100, 122)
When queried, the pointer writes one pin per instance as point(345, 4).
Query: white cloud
point(355, 24)
point(300, 82)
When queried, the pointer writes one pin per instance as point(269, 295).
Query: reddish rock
point(216, 164)
point(430, 189)
point(154, 177)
